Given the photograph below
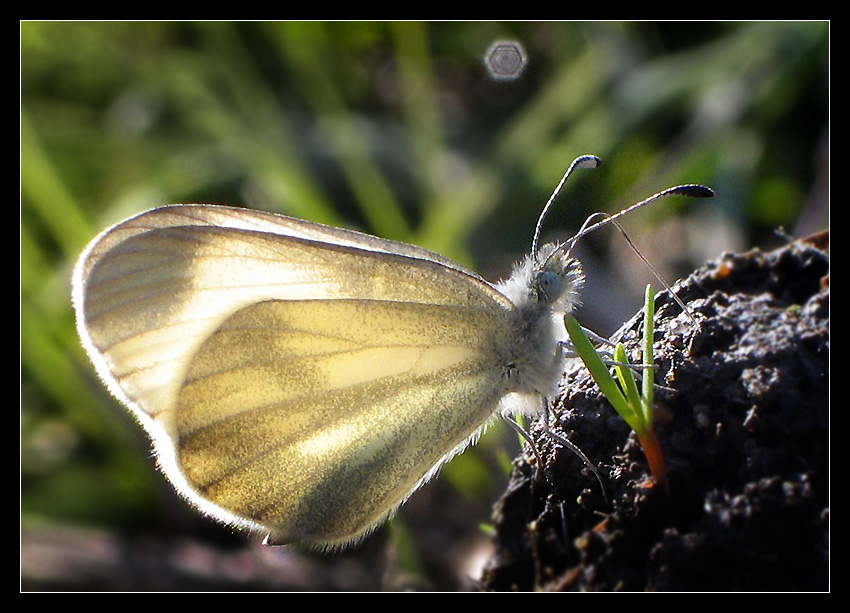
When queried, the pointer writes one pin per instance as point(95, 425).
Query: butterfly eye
point(550, 285)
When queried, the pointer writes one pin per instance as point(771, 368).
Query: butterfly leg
point(514, 424)
point(564, 442)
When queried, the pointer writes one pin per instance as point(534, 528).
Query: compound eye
point(550, 285)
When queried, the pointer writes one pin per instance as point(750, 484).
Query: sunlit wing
point(151, 292)
point(316, 419)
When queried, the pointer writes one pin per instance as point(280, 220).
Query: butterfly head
point(549, 280)
point(555, 279)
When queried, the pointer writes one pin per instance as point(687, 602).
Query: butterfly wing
point(300, 379)
point(316, 419)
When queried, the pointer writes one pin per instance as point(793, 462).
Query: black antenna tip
point(694, 191)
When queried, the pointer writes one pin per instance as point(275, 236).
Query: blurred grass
point(393, 128)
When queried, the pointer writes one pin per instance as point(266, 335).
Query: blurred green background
point(396, 129)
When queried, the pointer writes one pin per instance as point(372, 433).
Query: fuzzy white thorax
point(543, 288)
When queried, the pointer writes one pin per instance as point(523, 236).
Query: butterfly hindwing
point(315, 419)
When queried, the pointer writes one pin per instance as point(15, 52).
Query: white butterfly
point(303, 380)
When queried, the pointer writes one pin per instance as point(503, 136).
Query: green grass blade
point(598, 370)
point(629, 386)
point(648, 396)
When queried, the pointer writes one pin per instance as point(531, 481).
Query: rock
point(743, 421)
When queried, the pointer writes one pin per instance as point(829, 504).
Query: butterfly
point(303, 380)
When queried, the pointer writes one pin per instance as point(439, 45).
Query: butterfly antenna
point(655, 273)
point(584, 161)
point(693, 191)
